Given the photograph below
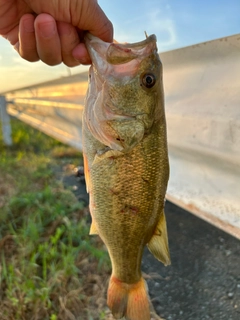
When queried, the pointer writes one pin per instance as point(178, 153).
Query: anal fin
point(158, 244)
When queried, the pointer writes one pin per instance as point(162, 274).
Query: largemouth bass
point(126, 164)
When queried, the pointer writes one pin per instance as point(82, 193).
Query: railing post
point(5, 121)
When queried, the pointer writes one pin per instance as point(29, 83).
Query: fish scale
point(126, 165)
point(118, 220)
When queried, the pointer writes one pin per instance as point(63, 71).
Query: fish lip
point(152, 38)
point(98, 48)
point(92, 41)
point(143, 43)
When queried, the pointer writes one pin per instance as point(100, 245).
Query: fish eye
point(148, 80)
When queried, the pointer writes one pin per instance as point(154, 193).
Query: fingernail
point(28, 26)
point(47, 29)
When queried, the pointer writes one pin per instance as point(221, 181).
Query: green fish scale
point(127, 197)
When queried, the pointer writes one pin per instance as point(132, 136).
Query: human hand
point(52, 30)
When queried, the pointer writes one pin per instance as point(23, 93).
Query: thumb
point(90, 17)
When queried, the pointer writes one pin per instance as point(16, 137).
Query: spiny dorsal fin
point(158, 245)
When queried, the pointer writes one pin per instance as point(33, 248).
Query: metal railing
point(202, 93)
point(5, 120)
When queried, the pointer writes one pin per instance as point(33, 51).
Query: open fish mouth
point(104, 54)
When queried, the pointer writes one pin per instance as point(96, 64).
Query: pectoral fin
point(158, 245)
point(93, 229)
point(105, 155)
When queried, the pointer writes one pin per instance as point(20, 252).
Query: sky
point(176, 23)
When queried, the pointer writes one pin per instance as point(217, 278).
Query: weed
point(48, 262)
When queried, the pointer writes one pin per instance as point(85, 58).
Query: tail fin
point(129, 300)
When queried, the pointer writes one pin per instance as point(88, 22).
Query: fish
point(126, 164)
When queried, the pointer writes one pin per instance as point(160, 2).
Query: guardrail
point(5, 120)
point(60, 120)
point(202, 92)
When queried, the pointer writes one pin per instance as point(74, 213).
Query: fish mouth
point(115, 53)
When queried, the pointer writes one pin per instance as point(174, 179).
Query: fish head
point(125, 95)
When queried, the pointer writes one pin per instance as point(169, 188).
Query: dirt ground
point(203, 281)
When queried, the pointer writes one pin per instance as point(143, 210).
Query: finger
point(69, 40)
point(80, 53)
point(101, 26)
point(12, 35)
point(47, 39)
point(27, 40)
point(92, 18)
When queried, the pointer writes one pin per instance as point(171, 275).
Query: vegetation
point(50, 268)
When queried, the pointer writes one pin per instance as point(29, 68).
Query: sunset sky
point(177, 23)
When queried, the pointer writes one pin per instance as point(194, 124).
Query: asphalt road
point(203, 281)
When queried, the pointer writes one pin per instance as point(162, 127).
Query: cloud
point(164, 27)
point(154, 17)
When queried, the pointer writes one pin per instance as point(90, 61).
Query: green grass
point(50, 268)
